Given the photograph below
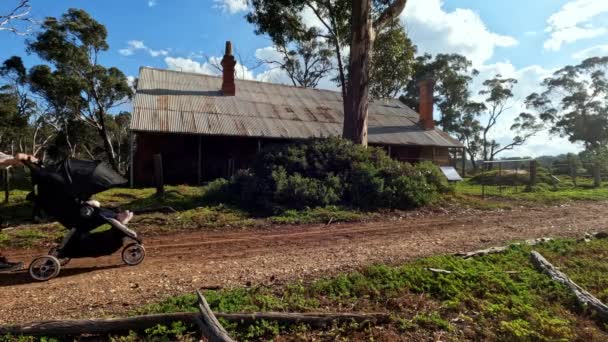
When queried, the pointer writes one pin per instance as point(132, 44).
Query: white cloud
point(569, 35)
point(135, 45)
point(574, 22)
point(152, 3)
point(460, 31)
point(310, 19)
point(598, 50)
point(211, 67)
point(231, 6)
point(189, 65)
point(268, 53)
point(131, 81)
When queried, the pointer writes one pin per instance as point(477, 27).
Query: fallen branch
point(493, 250)
point(210, 326)
point(584, 298)
point(140, 323)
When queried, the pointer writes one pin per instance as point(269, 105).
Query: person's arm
point(8, 160)
point(26, 158)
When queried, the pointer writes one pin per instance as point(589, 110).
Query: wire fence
point(499, 178)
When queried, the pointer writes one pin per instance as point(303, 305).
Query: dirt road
point(182, 262)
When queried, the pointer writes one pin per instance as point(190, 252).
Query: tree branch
point(389, 14)
point(19, 13)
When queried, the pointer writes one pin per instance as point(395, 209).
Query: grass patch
point(194, 211)
point(495, 297)
point(31, 237)
point(543, 193)
point(319, 215)
point(16, 210)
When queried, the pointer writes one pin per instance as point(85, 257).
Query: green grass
point(543, 193)
point(194, 212)
point(16, 210)
point(31, 236)
point(496, 297)
point(319, 215)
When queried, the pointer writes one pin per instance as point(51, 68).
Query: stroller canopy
point(86, 178)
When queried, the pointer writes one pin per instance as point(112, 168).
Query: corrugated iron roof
point(181, 102)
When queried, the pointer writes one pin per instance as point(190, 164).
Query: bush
point(333, 171)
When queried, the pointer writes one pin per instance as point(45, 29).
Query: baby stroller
point(64, 191)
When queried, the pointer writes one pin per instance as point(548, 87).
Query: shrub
point(334, 171)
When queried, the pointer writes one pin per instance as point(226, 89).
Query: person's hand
point(26, 157)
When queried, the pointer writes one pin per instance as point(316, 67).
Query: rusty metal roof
point(189, 103)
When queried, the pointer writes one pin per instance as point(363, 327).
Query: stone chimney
point(228, 64)
point(425, 107)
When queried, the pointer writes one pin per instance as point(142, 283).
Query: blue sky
point(525, 39)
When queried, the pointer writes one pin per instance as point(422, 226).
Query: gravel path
point(182, 262)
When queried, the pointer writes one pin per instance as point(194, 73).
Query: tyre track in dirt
point(181, 262)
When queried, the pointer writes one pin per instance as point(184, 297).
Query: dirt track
point(182, 262)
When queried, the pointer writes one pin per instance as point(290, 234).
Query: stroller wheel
point(133, 254)
point(62, 261)
point(44, 268)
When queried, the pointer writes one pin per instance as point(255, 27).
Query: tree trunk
point(356, 103)
point(107, 144)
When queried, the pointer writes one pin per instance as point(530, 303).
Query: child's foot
point(124, 217)
point(6, 266)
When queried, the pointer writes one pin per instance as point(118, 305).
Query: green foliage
point(12, 338)
point(574, 102)
point(431, 321)
point(333, 171)
point(318, 215)
point(392, 62)
point(176, 331)
point(283, 23)
point(76, 87)
point(452, 74)
point(468, 192)
point(29, 237)
point(501, 295)
point(197, 208)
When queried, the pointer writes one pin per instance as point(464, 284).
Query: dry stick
point(493, 250)
point(139, 323)
point(210, 326)
point(438, 270)
point(586, 299)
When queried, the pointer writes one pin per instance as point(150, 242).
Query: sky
point(523, 39)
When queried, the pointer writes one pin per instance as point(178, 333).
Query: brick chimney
point(228, 63)
point(425, 107)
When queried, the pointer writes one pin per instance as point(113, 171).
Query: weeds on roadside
point(495, 297)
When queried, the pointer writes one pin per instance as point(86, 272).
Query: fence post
point(158, 175)
point(464, 163)
point(597, 178)
point(7, 181)
point(532, 173)
point(572, 169)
